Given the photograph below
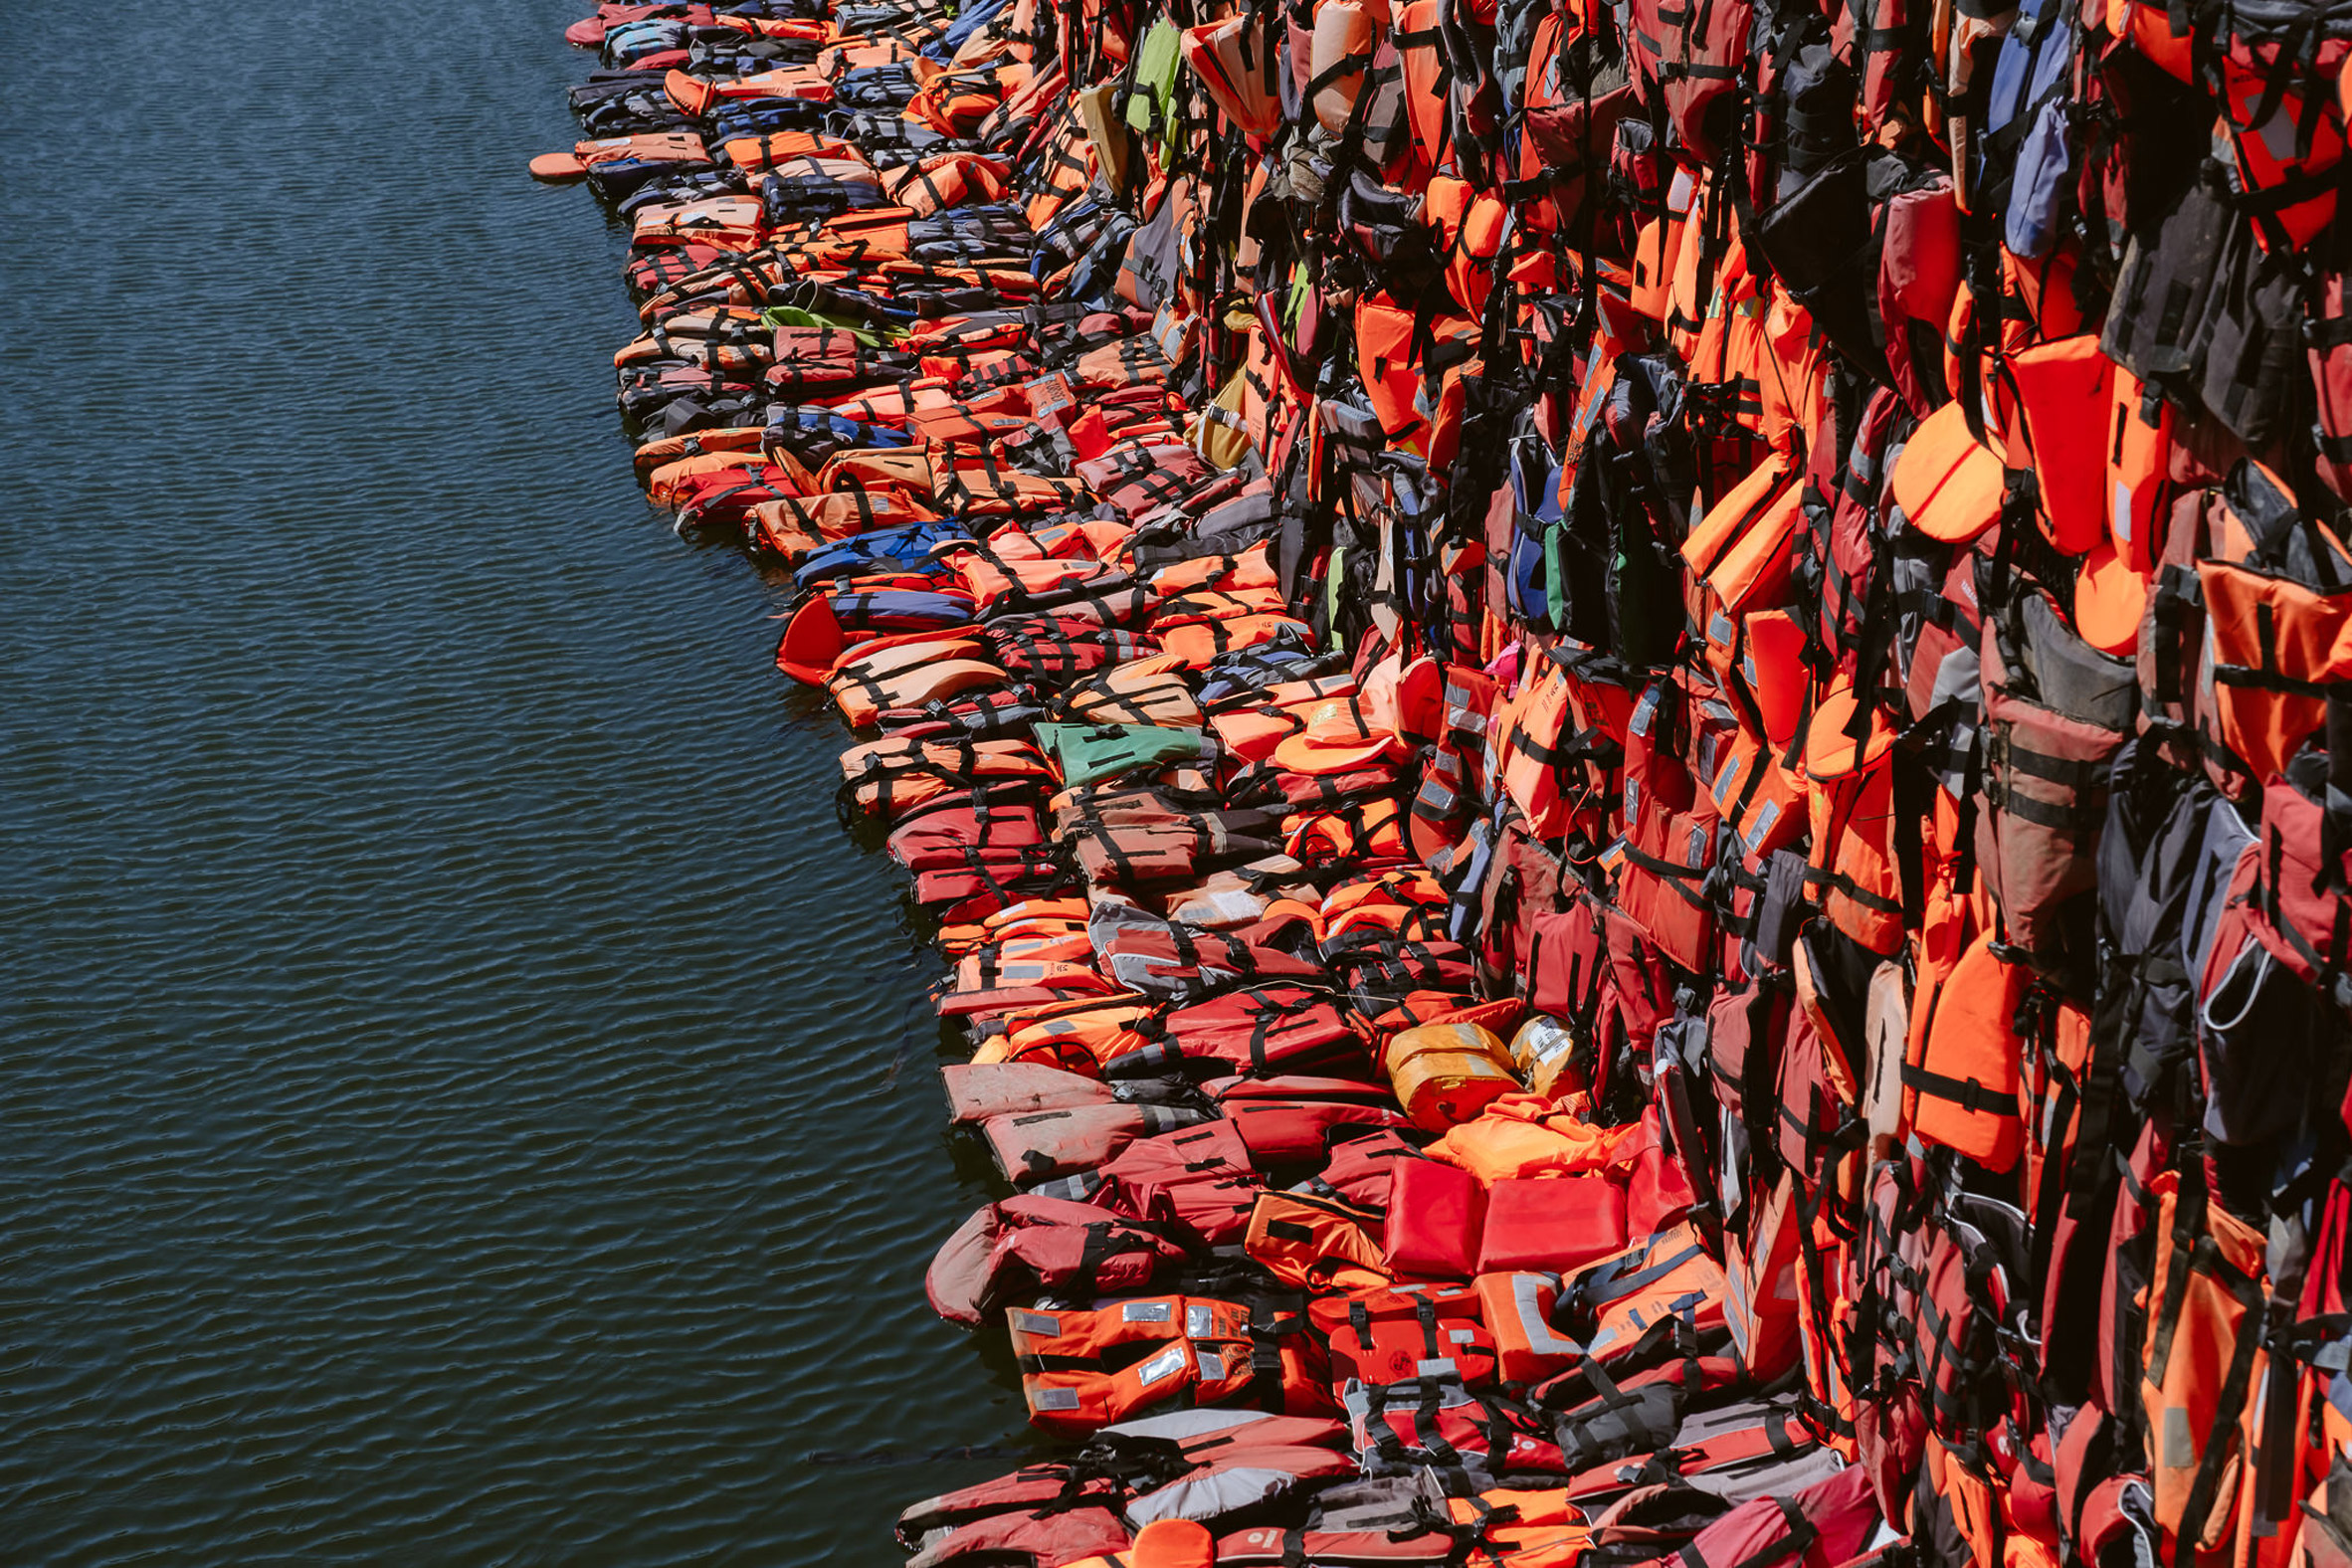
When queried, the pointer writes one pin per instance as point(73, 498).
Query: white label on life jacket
point(1197, 1321)
point(1168, 1363)
point(1147, 1312)
point(1026, 1322)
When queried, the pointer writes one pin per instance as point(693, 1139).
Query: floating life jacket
point(1030, 1242)
point(1083, 1370)
point(1278, 1027)
point(1002, 1088)
point(890, 777)
point(1033, 1535)
point(1043, 1145)
point(938, 836)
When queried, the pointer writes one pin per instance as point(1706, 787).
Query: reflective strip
point(1168, 1363)
point(1147, 1312)
point(1027, 1322)
point(1054, 1399)
point(1645, 710)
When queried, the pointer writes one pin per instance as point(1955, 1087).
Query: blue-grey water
point(461, 1102)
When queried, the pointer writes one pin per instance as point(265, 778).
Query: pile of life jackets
point(1631, 725)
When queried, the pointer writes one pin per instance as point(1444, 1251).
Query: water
point(461, 1099)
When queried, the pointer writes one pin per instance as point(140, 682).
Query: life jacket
point(1160, 958)
point(1746, 1448)
point(1436, 1421)
point(1760, 1305)
point(1079, 1030)
point(1435, 1216)
point(1825, 1524)
point(1036, 1535)
point(1664, 869)
point(1390, 1333)
point(1162, 1543)
point(976, 1092)
point(1263, 1029)
point(2204, 1304)
point(1028, 1242)
point(1081, 1367)
point(1238, 65)
point(1199, 1181)
point(1083, 1370)
point(1445, 1073)
point(938, 836)
point(1379, 965)
point(890, 777)
point(1948, 483)
point(1029, 1489)
point(2294, 879)
point(2281, 635)
point(1516, 1310)
point(1546, 758)
point(1961, 1077)
point(1852, 815)
point(2048, 386)
point(1553, 1225)
point(1611, 1305)
point(1235, 1463)
point(1918, 278)
point(907, 677)
point(1315, 1243)
point(1043, 1144)
point(1550, 1058)
point(1289, 1130)
point(2283, 146)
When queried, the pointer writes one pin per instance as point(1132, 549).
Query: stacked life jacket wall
point(1630, 725)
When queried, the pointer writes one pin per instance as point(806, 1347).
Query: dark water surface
point(446, 1095)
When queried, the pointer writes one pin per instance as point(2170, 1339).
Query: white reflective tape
point(1643, 710)
point(1197, 1321)
point(1147, 1312)
point(1054, 1399)
point(1023, 1322)
point(1167, 1364)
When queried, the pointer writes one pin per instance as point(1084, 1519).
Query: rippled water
point(461, 1099)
